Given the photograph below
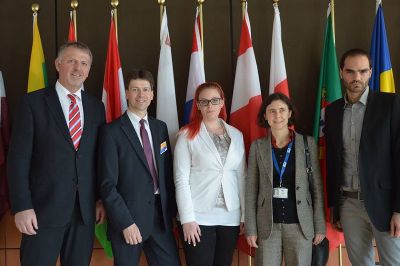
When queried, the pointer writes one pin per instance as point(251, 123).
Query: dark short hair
point(139, 74)
point(78, 45)
point(267, 101)
point(352, 53)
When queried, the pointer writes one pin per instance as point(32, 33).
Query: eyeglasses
point(205, 102)
point(137, 90)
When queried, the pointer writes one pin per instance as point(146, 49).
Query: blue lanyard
point(276, 165)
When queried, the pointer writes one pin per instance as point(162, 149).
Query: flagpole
point(162, 4)
point(200, 2)
point(333, 18)
point(74, 6)
point(275, 2)
point(35, 8)
point(114, 4)
point(244, 2)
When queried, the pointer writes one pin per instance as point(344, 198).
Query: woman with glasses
point(284, 205)
point(209, 171)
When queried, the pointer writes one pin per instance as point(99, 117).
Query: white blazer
point(199, 173)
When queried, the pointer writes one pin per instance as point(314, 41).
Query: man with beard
point(363, 169)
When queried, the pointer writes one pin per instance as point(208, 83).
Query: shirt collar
point(135, 118)
point(63, 91)
point(363, 99)
point(273, 140)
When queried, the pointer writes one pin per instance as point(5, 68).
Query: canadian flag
point(196, 69)
point(114, 98)
point(246, 98)
point(277, 76)
point(166, 99)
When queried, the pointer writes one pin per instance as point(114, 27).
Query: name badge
point(163, 147)
point(280, 193)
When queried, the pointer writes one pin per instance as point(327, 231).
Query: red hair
point(193, 127)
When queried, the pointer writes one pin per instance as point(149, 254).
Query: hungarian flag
point(114, 98)
point(4, 141)
point(37, 68)
point(246, 99)
point(166, 100)
point(71, 30)
point(329, 90)
point(277, 75)
point(196, 69)
point(382, 74)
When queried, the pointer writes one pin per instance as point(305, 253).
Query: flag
point(196, 69)
point(277, 75)
point(4, 141)
point(166, 99)
point(382, 74)
point(246, 99)
point(71, 31)
point(114, 100)
point(114, 97)
point(329, 90)
point(37, 69)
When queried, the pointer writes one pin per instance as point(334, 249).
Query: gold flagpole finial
point(114, 3)
point(275, 1)
point(35, 7)
point(74, 4)
point(201, 2)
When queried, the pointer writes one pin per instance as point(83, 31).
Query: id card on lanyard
point(281, 192)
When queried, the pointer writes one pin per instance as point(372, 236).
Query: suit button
point(298, 202)
point(297, 188)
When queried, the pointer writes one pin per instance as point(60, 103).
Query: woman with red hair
point(209, 172)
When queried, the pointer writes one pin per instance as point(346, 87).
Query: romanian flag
point(382, 74)
point(37, 69)
point(329, 90)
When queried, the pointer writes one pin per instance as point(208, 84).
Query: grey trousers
point(288, 241)
point(359, 233)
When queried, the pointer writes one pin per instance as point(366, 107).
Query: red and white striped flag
point(277, 76)
point(166, 99)
point(246, 98)
point(196, 69)
point(114, 97)
point(71, 30)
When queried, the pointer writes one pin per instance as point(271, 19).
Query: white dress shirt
point(65, 101)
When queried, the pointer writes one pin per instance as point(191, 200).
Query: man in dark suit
point(52, 166)
point(363, 168)
point(136, 180)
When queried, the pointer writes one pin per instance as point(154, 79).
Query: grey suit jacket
point(259, 190)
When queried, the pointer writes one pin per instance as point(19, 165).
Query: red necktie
point(149, 153)
point(74, 125)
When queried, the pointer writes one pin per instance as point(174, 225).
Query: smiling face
point(73, 66)
point(211, 110)
point(277, 115)
point(139, 95)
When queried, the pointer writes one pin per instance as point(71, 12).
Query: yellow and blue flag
point(37, 69)
point(382, 74)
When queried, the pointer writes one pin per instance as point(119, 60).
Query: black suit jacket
point(379, 153)
point(44, 170)
point(126, 185)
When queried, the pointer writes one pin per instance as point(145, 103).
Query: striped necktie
point(74, 124)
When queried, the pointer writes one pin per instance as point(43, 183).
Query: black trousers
point(216, 246)
point(73, 242)
point(160, 247)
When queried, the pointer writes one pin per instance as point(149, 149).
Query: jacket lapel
point(56, 111)
point(300, 162)
point(266, 156)
point(88, 118)
point(156, 140)
point(133, 138)
point(205, 137)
